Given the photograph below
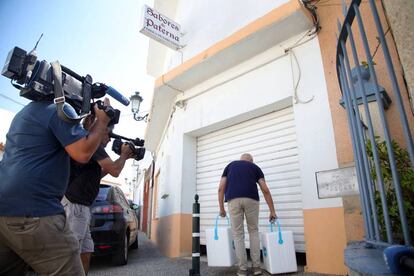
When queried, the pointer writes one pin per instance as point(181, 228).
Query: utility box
point(278, 252)
point(220, 246)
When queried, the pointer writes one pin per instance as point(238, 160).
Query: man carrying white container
point(238, 187)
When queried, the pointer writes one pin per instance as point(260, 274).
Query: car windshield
point(103, 193)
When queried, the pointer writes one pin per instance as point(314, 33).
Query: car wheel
point(121, 257)
point(134, 245)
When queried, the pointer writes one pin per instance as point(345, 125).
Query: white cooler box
point(278, 251)
point(220, 246)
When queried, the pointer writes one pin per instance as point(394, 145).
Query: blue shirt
point(34, 171)
point(242, 177)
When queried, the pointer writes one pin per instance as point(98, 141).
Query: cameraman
point(84, 187)
point(34, 175)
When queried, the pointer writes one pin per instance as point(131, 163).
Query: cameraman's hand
point(126, 151)
point(100, 114)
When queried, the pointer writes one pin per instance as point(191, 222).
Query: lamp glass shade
point(135, 102)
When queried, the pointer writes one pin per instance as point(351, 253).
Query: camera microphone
point(117, 96)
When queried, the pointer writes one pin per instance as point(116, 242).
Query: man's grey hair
point(246, 157)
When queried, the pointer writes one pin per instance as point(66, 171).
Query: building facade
point(254, 76)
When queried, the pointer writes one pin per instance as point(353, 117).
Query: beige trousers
point(45, 243)
point(238, 209)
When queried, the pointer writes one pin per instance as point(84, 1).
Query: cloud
point(6, 118)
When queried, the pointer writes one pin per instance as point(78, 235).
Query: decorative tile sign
point(337, 183)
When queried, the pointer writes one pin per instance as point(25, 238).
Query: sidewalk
point(148, 260)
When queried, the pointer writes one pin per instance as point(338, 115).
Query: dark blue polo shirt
point(34, 171)
point(242, 178)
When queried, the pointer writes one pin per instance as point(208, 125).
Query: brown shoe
point(257, 271)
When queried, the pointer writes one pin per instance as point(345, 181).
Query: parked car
point(114, 226)
point(137, 210)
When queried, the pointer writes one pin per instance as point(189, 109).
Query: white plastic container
point(278, 251)
point(220, 246)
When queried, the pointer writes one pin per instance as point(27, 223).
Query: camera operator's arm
point(83, 149)
point(114, 168)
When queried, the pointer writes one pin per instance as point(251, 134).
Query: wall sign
point(337, 182)
point(161, 28)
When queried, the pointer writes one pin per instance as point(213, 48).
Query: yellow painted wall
point(325, 240)
point(354, 223)
point(329, 14)
point(173, 234)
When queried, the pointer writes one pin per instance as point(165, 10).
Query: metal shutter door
point(271, 139)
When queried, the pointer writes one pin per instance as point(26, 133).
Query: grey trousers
point(238, 209)
point(45, 243)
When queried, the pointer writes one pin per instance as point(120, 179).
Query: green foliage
point(406, 175)
point(366, 64)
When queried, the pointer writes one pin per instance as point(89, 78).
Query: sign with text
point(337, 183)
point(161, 28)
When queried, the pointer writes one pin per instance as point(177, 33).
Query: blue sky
point(96, 37)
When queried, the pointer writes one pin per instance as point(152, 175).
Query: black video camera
point(111, 112)
point(39, 81)
point(136, 145)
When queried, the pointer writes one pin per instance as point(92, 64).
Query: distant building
point(112, 183)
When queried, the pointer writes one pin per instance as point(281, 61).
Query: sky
point(96, 37)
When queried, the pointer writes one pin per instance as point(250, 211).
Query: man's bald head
point(246, 157)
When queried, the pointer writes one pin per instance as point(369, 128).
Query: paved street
point(148, 260)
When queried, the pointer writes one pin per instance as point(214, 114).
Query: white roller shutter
point(271, 139)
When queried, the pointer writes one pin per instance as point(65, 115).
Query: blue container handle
point(215, 227)
point(278, 229)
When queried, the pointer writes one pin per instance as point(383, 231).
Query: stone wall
point(400, 14)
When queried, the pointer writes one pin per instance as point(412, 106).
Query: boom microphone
point(117, 96)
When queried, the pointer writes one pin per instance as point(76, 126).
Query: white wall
point(243, 92)
point(208, 22)
point(139, 189)
point(315, 134)
point(168, 163)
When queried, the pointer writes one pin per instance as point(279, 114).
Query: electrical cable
point(298, 43)
point(310, 5)
point(296, 85)
point(10, 99)
point(379, 43)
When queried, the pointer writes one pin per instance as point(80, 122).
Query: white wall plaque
point(161, 28)
point(337, 182)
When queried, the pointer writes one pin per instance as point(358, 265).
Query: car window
point(122, 198)
point(103, 193)
point(118, 198)
point(125, 200)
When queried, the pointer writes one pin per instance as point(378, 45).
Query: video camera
point(136, 145)
point(41, 81)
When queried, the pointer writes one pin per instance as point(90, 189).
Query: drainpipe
point(150, 196)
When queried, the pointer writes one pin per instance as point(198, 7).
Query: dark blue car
point(114, 225)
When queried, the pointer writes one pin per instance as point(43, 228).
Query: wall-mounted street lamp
point(136, 101)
